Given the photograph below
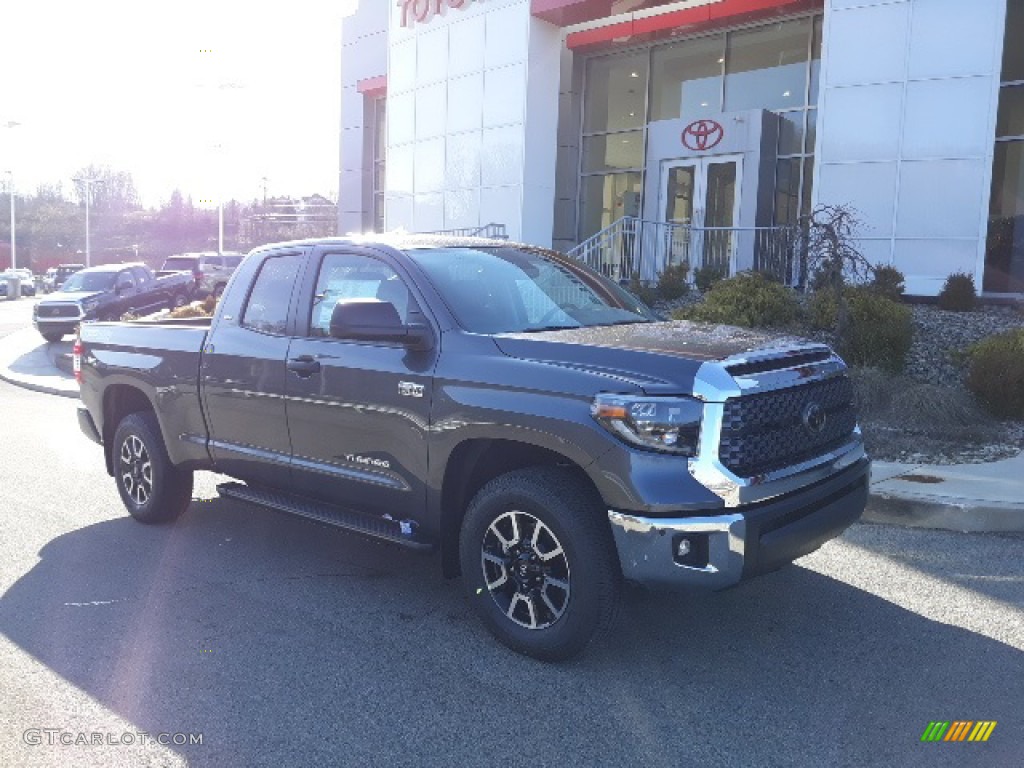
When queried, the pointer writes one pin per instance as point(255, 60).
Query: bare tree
point(831, 257)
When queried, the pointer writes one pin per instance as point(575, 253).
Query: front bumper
point(745, 542)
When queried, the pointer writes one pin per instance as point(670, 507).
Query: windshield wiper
point(623, 322)
point(550, 328)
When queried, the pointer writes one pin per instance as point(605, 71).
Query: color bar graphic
point(958, 730)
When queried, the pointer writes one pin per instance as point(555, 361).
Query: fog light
point(690, 549)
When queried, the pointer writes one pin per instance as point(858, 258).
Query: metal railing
point(643, 248)
point(490, 231)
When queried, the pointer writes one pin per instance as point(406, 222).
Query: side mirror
point(376, 320)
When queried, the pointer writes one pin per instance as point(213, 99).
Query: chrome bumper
point(746, 541)
point(647, 548)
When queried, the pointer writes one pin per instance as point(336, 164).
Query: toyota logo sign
point(701, 135)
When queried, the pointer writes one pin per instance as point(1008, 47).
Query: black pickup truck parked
point(107, 292)
point(526, 416)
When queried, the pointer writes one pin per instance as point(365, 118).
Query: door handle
point(304, 366)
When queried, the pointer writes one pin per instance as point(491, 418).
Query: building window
point(686, 80)
point(380, 145)
point(1004, 253)
point(614, 134)
point(766, 68)
point(774, 67)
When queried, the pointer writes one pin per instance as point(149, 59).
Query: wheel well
point(118, 401)
point(471, 466)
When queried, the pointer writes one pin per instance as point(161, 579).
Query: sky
point(206, 96)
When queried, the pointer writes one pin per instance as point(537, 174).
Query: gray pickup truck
point(502, 404)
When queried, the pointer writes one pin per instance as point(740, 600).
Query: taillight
point(76, 360)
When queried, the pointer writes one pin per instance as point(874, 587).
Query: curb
point(962, 516)
point(29, 381)
point(24, 383)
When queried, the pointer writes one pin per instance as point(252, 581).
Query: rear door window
point(266, 310)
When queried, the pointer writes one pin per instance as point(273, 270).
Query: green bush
point(708, 276)
point(888, 282)
point(648, 294)
point(958, 293)
point(672, 281)
point(821, 310)
point(748, 299)
point(996, 374)
point(880, 331)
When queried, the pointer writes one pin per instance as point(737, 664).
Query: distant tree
point(114, 192)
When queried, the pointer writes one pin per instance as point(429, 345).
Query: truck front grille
point(57, 310)
point(771, 430)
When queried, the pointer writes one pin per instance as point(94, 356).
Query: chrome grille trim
point(715, 386)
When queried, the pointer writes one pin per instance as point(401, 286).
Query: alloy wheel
point(525, 569)
point(136, 470)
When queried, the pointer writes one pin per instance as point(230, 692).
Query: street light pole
point(88, 197)
point(10, 191)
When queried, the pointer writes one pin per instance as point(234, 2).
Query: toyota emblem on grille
point(814, 418)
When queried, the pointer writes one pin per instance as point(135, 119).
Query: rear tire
point(152, 489)
point(218, 291)
point(178, 300)
point(538, 562)
point(52, 336)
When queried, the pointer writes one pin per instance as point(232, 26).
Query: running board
point(402, 533)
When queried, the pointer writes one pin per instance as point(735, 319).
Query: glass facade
point(773, 67)
point(1004, 254)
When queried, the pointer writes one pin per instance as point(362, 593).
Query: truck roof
point(402, 241)
point(113, 267)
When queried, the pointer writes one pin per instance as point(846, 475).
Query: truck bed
point(160, 358)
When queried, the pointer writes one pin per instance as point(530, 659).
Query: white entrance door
point(701, 195)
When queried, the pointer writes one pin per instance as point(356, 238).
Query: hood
point(76, 297)
point(662, 357)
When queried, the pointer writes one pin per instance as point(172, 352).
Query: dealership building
point(637, 133)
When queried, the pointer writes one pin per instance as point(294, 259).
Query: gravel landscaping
point(932, 417)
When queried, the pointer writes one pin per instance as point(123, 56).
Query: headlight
point(89, 306)
point(666, 424)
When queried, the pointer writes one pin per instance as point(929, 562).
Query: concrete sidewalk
point(961, 497)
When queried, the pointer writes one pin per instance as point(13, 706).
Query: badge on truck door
point(409, 389)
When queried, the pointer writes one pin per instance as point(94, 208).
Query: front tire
point(538, 562)
point(152, 489)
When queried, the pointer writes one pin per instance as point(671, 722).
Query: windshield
point(508, 290)
point(180, 264)
point(89, 281)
